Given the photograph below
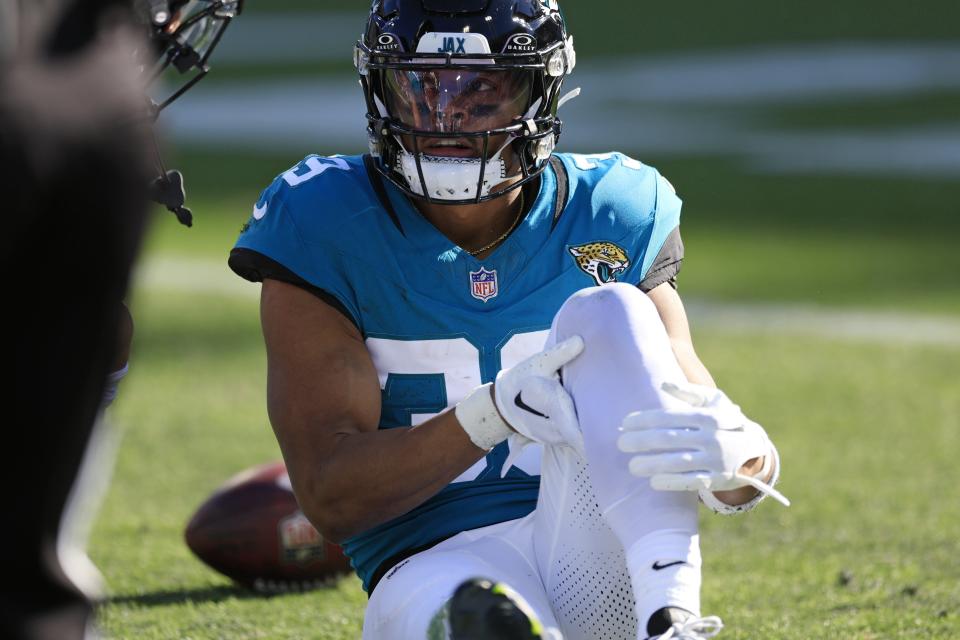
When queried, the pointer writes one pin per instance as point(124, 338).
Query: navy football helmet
point(462, 95)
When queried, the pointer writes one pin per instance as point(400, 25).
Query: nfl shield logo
point(483, 284)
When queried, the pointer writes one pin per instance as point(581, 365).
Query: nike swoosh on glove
point(700, 446)
point(532, 400)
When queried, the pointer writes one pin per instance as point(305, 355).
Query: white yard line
point(746, 75)
point(191, 276)
point(210, 279)
point(290, 37)
point(680, 104)
point(783, 74)
point(854, 325)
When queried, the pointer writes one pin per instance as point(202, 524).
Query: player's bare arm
point(324, 405)
point(670, 307)
point(674, 316)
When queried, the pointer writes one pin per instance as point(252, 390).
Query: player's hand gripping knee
point(527, 403)
point(532, 400)
point(699, 447)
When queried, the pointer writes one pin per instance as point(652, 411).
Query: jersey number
point(414, 391)
point(311, 168)
point(587, 162)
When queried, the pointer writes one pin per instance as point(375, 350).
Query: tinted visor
point(457, 100)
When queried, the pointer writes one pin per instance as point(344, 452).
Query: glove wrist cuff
point(718, 506)
point(478, 416)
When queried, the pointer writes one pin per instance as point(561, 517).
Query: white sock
point(627, 356)
point(662, 577)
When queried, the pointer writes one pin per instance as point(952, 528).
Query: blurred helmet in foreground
point(184, 34)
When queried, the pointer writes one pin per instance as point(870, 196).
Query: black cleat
point(679, 624)
point(484, 610)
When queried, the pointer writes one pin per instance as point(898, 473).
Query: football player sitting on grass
point(481, 375)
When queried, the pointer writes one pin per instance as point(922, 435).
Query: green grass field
point(869, 428)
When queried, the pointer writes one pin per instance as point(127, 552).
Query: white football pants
point(602, 549)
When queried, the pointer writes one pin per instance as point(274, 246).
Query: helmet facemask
point(460, 127)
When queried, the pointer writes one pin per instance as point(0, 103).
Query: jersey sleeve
point(256, 267)
point(667, 264)
point(281, 241)
point(623, 206)
point(666, 224)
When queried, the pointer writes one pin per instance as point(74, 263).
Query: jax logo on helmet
point(455, 43)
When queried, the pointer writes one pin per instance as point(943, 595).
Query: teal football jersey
point(436, 320)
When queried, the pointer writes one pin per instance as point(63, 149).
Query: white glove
point(698, 448)
point(532, 400)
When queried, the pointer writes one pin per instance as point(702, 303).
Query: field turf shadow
point(217, 593)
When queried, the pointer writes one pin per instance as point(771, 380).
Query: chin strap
point(167, 188)
point(568, 96)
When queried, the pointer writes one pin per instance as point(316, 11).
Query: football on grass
point(252, 530)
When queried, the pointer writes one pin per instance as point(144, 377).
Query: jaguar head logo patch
point(602, 261)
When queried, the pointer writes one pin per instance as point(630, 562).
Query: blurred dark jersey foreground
point(73, 173)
